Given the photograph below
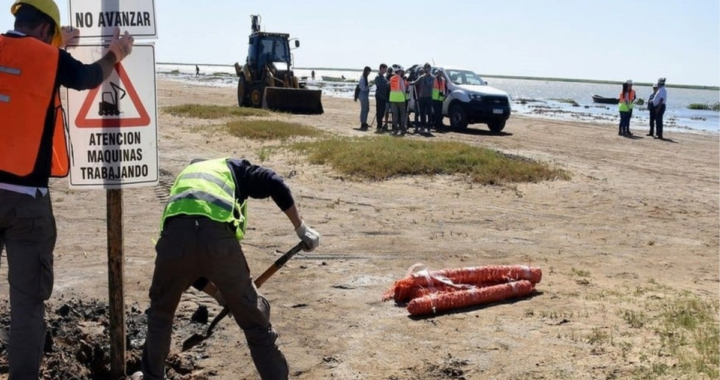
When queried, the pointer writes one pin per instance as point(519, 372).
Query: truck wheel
point(496, 126)
point(256, 95)
point(242, 92)
point(458, 118)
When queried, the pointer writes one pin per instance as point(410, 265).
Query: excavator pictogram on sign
point(109, 106)
point(109, 103)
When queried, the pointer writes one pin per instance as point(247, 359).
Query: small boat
point(604, 100)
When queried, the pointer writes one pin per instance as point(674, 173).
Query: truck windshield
point(464, 77)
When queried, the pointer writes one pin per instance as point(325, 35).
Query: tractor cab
point(270, 50)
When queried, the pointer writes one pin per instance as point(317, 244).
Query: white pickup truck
point(469, 99)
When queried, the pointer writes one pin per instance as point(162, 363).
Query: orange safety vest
point(397, 89)
point(631, 98)
point(28, 71)
point(438, 89)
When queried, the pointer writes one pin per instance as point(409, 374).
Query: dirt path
point(638, 221)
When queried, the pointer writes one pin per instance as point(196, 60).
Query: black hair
point(29, 17)
point(366, 72)
point(383, 66)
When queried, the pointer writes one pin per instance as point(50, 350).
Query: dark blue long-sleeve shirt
point(253, 181)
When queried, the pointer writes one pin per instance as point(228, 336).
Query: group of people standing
point(393, 93)
point(656, 106)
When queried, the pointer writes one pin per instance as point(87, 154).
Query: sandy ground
point(638, 221)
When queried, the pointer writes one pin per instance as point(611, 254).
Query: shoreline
point(560, 116)
point(551, 79)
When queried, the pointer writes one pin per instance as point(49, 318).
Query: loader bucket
point(293, 100)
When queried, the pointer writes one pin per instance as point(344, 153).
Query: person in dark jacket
point(382, 97)
point(202, 226)
point(423, 101)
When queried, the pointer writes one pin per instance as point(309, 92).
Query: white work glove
point(308, 236)
point(69, 36)
point(121, 47)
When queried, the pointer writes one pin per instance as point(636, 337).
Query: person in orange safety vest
point(398, 97)
point(33, 149)
point(438, 97)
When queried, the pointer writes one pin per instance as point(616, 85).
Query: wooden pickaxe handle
point(279, 263)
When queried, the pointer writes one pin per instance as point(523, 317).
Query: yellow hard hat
point(49, 8)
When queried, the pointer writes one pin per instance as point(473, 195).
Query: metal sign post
point(116, 272)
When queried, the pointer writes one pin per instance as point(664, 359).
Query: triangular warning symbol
point(107, 108)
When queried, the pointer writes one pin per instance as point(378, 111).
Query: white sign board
point(99, 18)
point(113, 128)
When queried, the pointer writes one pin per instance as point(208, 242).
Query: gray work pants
point(28, 233)
point(193, 247)
point(398, 122)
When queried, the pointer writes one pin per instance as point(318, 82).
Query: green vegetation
point(634, 319)
point(705, 106)
point(580, 272)
point(380, 158)
point(689, 331)
point(680, 333)
point(201, 111)
point(269, 129)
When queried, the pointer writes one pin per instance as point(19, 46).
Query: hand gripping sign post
point(113, 131)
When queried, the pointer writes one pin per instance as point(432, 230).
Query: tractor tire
point(458, 118)
point(242, 92)
point(256, 95)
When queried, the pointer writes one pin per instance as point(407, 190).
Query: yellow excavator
point(266, 79)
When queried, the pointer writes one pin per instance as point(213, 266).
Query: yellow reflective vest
point(207, 189)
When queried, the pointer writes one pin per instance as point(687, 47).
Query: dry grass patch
point(665, 335)
point(380, 158)
point(202, 111)
point(269, 129)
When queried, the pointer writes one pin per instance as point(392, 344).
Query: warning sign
point(98, 19)
point(108, 105)
point(113, 128)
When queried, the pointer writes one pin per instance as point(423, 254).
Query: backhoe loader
point(266, 79)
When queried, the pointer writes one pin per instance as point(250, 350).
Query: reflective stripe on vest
point(397, 89)
point(28, 69)
point(207, 189)
point(438, 89)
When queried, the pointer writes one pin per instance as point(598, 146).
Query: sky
point(614, 40)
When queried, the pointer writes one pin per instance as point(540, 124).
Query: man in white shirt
point(659, 102)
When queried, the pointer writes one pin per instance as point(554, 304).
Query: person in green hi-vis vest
point(202, 226)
